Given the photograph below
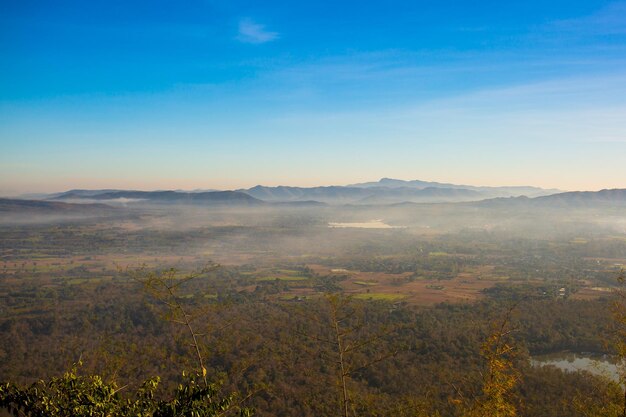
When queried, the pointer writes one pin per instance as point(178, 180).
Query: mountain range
point(505, 191)
point(385, 191)
point(389, 191)
point(356, 195)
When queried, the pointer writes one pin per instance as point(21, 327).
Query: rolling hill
point(212, 197)
point(8, 205)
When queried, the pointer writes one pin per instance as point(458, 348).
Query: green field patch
point(579, 241)
point(435, 287)
point(211, 296)
point(287, 271)
point(366, 283)
point(76, 281)
point(379, 296)
point(51, 268)
point(41, 256)
point(495, 278)
point(186, 296)
point(438, 254)
point(290, 278)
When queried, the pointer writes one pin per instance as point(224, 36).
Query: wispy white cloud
point(609, 20)
point(566, 111)
point(252, 32)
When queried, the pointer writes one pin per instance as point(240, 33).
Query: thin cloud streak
point(255, 33)
point(529, 113)
point(610, 20)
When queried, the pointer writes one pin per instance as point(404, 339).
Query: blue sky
point(228, 94)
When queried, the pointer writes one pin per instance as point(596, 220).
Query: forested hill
point(574, 199)
point(616, 195)
point(46, 207)
point(165, 196)
point(358, 195)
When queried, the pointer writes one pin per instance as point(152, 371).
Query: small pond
point(372, 224)
point(571, 362)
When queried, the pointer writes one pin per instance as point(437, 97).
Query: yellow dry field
point(589, 293)
point(94, 263)
point(465, 287)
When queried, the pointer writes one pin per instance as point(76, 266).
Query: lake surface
point(572, 362)
point(372, 224)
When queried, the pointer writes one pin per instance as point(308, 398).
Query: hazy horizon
point(174, 187)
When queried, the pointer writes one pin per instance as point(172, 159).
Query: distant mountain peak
point(489, 192)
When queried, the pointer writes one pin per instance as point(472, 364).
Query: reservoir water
point(571, 362)
point(372, 224)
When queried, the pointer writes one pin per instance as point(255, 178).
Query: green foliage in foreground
point(89, 396)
